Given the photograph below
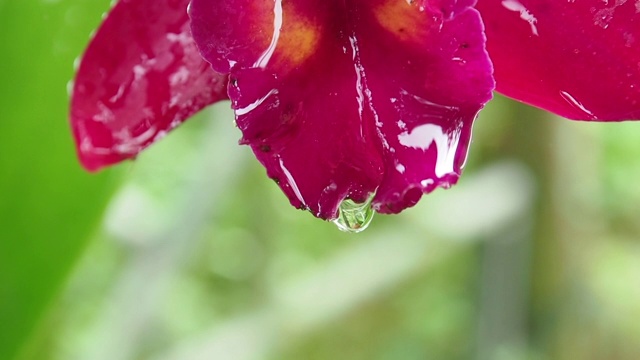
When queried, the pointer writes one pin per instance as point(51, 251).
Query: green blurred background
point(190, 252)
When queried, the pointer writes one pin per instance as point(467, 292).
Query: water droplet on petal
point(354, 217)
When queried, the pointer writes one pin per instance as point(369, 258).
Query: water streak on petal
point(277, 27)
point(525, 14)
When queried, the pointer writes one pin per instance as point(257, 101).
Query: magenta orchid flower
point(351, 102)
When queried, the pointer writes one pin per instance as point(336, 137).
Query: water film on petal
point(140, 77)
point(578, 59)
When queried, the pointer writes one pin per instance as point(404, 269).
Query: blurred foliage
point(190, 252)
point(48, 204)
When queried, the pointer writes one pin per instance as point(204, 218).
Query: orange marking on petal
point(299, 36)
point(403, 18)
point(286, 36)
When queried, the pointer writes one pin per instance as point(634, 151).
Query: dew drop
point(354, 217)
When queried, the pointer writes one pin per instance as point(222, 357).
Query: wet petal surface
point(578, 59)
point(344, 99)
point(140, 77)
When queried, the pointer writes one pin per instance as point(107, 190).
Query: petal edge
point(137, 80)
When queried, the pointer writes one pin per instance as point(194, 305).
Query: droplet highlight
point(354, 217)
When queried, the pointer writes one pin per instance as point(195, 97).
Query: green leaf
point(48, 204)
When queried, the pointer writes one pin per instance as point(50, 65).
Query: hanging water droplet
point(354, 217)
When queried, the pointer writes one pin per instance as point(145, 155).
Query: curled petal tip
point(137, 80)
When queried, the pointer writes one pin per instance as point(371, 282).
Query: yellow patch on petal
point(288, 36)
point(298, 37)
point(404, 18)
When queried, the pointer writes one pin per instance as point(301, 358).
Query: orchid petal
point(434, 102)
point(140, 77)
point(578, 59)
point(347, 99)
